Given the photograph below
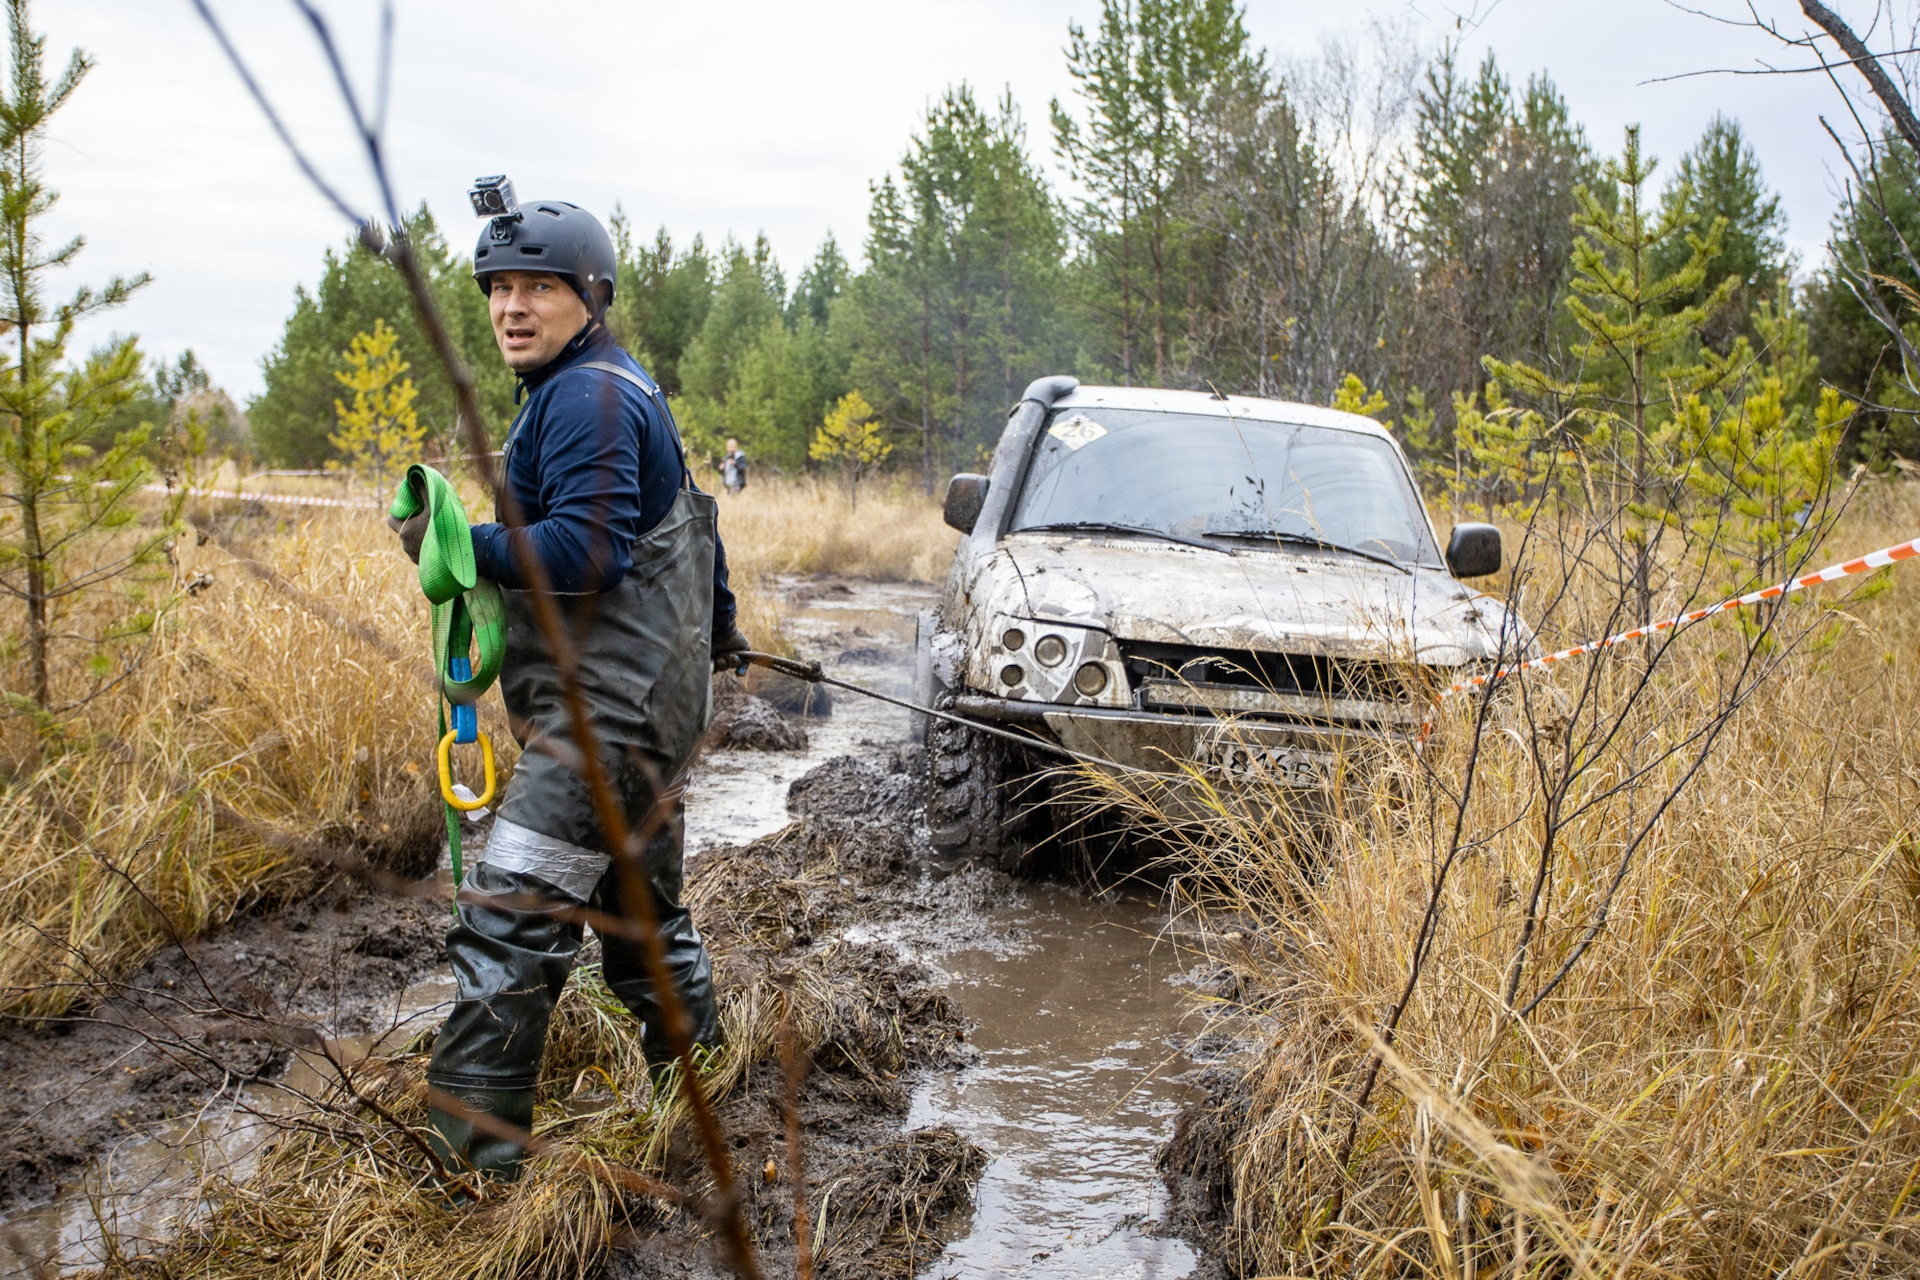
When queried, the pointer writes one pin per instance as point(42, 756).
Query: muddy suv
point(1152, 577)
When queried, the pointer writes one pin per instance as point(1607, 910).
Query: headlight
point(1037, 660)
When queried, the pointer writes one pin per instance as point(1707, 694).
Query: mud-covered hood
point(1273, 601)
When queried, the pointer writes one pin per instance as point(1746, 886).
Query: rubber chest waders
point(469, 619)
point(643, 667)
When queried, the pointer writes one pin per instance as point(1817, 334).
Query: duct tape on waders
point(1845, 569)
point(469, 622)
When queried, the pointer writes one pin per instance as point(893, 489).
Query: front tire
point(970, 811)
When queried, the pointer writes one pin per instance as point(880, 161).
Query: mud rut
point(1045, 1032)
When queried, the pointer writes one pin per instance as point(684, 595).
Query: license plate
point(1266, 762)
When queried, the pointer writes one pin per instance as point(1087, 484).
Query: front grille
point(1297, 674)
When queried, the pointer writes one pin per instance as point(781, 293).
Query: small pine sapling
point(72, 520)
point(380, 433)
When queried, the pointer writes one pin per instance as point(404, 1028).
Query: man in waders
point(603, 501)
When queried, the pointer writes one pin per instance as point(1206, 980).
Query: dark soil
point(229, 1006)
point(742, 721)
point(193, 1021)
point(776, 906)
point(1197, 1167)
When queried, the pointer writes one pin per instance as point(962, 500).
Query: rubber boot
point(623, 959)
point(464, 1149)
point(509, 965)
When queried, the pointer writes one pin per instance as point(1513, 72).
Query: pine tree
point(956, 308)
point(1719, 181)
point(1866, 271)
point(380, 433)
point(68, 524)
point(1640, 356)
point(293, 416)
point(823, 281)
point(1492, 236)
point(1762, 448)
point(1152, 79)
point(661, 301)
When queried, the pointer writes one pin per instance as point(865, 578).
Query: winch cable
point(813, 673)
point(469, 621)
point(485, 623)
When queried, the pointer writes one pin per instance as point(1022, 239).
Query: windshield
point(1232, 480)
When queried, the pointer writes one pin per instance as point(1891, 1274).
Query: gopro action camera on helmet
point(493, 198)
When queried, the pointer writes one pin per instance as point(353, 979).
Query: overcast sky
point(734, 117)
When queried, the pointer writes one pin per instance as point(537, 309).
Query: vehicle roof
point(1246, 408)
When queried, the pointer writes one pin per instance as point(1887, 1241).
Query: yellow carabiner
point(446, 774)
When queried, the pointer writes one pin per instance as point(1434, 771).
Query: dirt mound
point(752, 724)
point(867, 656)
point(1197, 1166)
point(849, 787)
point(744, 721)
point(863, 817)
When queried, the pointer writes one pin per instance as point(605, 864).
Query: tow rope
point(813, 673)
point(469, 619)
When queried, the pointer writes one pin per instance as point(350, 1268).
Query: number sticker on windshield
point(1076, 431)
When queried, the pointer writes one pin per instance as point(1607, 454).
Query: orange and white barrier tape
point(1873, 560)
point(289, 499)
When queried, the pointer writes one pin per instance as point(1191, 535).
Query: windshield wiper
point(1308, 540)
point(1104, 526)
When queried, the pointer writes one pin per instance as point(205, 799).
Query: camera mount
point(493, 198)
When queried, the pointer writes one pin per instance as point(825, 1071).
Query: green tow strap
point(469, 616)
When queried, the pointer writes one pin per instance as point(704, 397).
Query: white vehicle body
point(1221, 617)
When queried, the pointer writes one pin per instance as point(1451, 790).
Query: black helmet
point(550, 235)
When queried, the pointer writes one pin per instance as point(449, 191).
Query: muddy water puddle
point(141, 1188)
point(861, 633)
point(1078, 1021)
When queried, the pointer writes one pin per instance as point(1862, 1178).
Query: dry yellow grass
point(247, 715)
point(1723, 1086)
point(894, 533)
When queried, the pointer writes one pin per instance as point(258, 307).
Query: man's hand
point(727, 650)
point(412, 531)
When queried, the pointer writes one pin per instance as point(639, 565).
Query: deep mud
point(194, 1021)
point(1197, 1166)
point(744, 722)
point(779, 905)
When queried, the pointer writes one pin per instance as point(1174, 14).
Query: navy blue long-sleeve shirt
point(593, 463)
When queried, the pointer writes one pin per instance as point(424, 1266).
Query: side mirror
point(966, 494)
point(1473, 551)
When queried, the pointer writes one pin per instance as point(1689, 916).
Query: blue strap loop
point(466, 716)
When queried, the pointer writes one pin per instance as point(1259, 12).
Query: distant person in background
point(733, 468)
